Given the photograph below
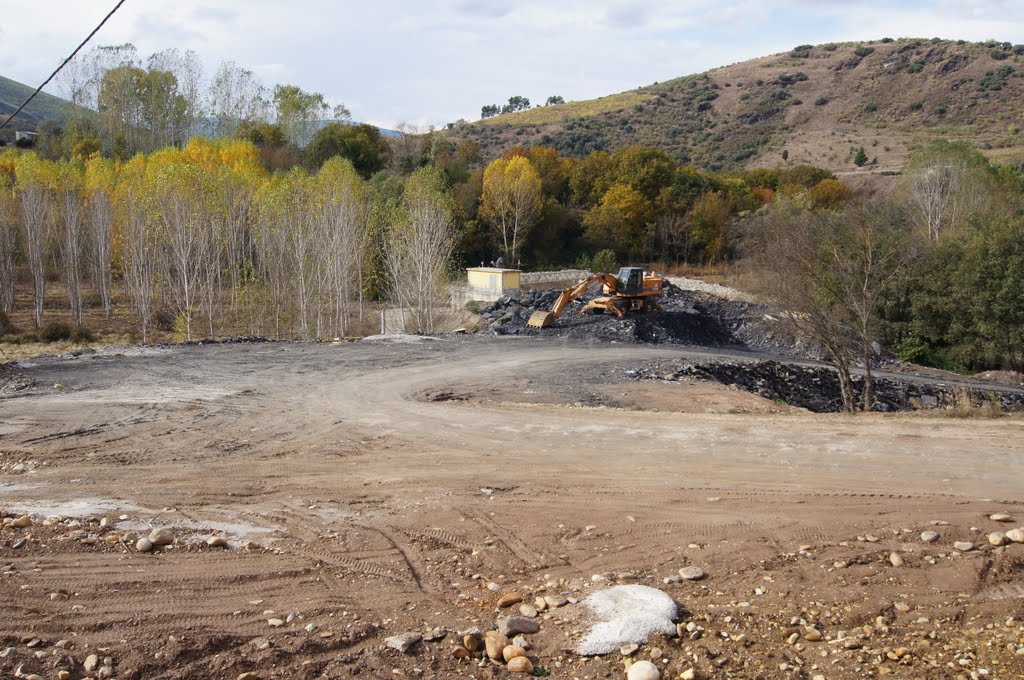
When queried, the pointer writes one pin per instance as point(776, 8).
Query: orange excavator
point(632, 290)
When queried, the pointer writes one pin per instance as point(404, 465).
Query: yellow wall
point(490, 278)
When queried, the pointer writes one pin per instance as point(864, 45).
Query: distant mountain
point(813, 104)
point(43, 107)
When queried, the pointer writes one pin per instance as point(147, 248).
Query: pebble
point(555, 601)
point(144, 545)
point(964, 546)
point(528, 611)
point(512, 651)
point(997, 538)
point(310, 627)
point(21, 522)
point(812, 634)
point(20, 543)
point(929, 536)
point(403, 642)
point(161, 536)
point(655, 653)
point(1000, 517)
point(248, 675)
point(902, 607)
point(692, 573)
point(216, 541)
point(473, 640)
point(627, 650)
point(688, 674)
point(520, 641)
point(509, 600)
point(540, 604)
point(91, 662)
point(1016, 535)
point(895, 560)
point(460, 652)
point(520, 664)
point(275, 623)
point(643, 670)
point(513, 625)
point(64, 675)
point(495, 642)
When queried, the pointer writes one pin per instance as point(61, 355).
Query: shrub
point(940, 110)
point(802, 51)
point(887, 40)
point(473, 306)
point(995, 79)
point(830, 47)
point(821, 101)
point(915, 67)
point(163, 320)
point(917, 106)
point(53, 331)
point(796, 102)
point(999, 55)
point(870, 108)
point(81, 334)
point(863, 51)
point(605, 261)
point(6, 327)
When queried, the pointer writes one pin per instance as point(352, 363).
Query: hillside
point(44, 106)
point(817, 105)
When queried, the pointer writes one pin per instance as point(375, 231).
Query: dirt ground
point(377, 488)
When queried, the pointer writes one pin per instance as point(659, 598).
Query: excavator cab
point(631, 280)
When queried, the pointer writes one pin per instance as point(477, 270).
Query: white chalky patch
point(626, 614)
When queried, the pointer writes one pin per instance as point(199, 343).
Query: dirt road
point(382, 487)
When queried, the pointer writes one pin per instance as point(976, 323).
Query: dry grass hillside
point(817, 105)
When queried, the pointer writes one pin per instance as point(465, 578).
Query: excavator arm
point(542, 319)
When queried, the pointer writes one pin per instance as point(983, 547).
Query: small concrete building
point(487, 284)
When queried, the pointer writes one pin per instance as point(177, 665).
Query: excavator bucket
point(541, 319)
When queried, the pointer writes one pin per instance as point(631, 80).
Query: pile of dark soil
point(817, 388)
point(687, 318)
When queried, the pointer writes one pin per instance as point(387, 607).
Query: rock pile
point(817, 388)
point(689, 317)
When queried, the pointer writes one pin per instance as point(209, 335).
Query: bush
point(821, 101)
point(999, 55)
point(917, 106)
point(940, 110)
point(163, 320)
point(54, 331)
point(863, 51)
point(802, 51)
point(870, 108)
point(887, 40)
point(81, 334)
point(605, 262)
point(6, 327)
point(473, 306)
point(916, 67)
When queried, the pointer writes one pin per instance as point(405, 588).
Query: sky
point(431, 62)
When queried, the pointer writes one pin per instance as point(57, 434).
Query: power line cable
point(63, 64)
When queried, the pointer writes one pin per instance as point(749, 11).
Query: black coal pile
point(687, 318)
point(817, 388)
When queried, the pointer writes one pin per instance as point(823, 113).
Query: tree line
point(933, 269)
point(209, 240)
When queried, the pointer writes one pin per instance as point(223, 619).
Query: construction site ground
point(377, 488)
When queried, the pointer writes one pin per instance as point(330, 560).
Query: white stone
point(692, 573)
point(643, 670)
point(929, 536)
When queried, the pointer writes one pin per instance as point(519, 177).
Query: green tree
point(620, 222)
point(363, 145)
point(298, 112)
point(860, 158)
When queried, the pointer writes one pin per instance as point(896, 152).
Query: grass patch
point(543, 115)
